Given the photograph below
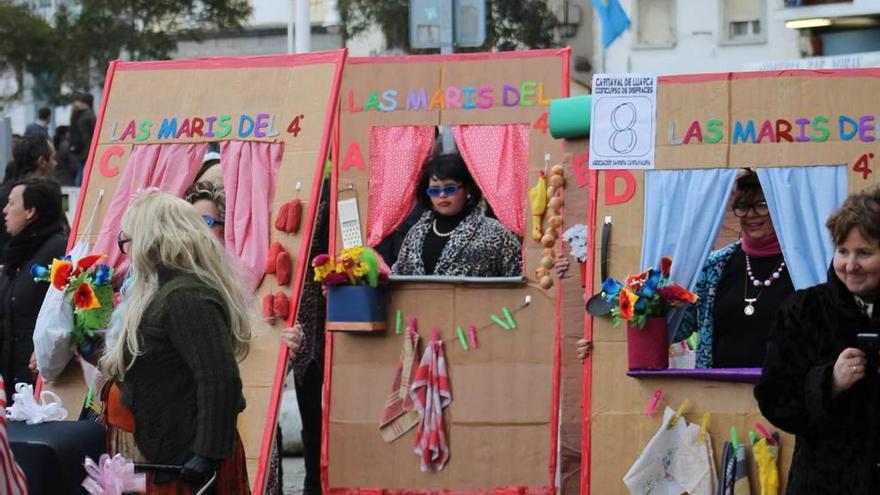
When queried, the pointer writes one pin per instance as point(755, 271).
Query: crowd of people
point(183, 323)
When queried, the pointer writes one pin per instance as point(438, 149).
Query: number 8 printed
point(625, 131)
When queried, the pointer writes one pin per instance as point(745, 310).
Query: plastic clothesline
point(476, 329)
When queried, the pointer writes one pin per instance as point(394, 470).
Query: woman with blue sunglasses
point(209, 200)
point(454, 237)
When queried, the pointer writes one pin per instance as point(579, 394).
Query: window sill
point(659, 46)
point(734, 375)
point(744, 41)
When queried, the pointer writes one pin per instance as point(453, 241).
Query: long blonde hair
point(167, 232)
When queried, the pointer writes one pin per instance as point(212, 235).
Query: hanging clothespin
point(753, 438)
point(509, 317)
point(652, 404)
point(678, 412)
point(704, 426)
point(411, 328)
point(765, 433)
point(693, 341)
point(462, 339)
point(398, 327)
point(435, 334)
point(501, 323)
point(472, 336)
point(734, 438)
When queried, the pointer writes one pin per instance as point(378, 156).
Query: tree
point(511, 24)
point(74, 52)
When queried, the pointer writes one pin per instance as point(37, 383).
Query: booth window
point(676, 224)
point(743, 21)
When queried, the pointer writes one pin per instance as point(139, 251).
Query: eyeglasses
point(211, 221)
point(437, 191)
point(121, 242)
point(742, 209)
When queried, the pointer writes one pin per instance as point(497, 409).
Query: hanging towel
point(431, 393)
point(399, 415)
point(768, 474)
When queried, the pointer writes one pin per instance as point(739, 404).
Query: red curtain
point(498, 156)
point(397, 155)
point(169, 167)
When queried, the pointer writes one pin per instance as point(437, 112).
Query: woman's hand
point(849, 369)
point(293, 336)
point(561, 266)
point(584, 348)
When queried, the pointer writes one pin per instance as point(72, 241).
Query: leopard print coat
point(479, 247)
point(837, 440)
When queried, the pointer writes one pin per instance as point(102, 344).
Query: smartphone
point(869, 343)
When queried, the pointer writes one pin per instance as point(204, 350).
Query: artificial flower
point(677, 294)
point(86, 262)
point(321, 260)
point(102, 275)
point(335, 278)
point(611, 287)
point(84, 297)
point(651, 283)
point(665, 265)
point(59, 273)
point(627, 300)
point(39, 272)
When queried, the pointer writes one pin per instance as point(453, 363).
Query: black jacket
point(836, 440)
point(20, 301)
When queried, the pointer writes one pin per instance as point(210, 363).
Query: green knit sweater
point(184, 389)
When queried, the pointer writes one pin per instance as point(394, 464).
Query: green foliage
point(511, 24)
point(73, 52)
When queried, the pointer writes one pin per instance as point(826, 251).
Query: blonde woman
point(183, 328)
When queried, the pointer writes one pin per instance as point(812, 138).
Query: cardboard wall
point(502, 420)
point(615, 409)
point(281, 86)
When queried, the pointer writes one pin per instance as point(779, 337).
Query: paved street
point(294, 472)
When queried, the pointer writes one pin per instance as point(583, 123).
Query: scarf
point(764, 247)
point(25, 244)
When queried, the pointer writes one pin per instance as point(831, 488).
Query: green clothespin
point(753, 438)
point(693, 341)
point(398, 328)
point(501, 323)
point(462, 338)
point(509, 317)
point(734, 438)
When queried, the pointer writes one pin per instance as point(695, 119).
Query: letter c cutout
point(104, 166)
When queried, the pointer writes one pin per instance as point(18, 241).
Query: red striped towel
point(399, 415)
point(431, 393)
point(12, 479)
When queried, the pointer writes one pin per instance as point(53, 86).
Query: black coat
point(20, 301)
point(836, 440)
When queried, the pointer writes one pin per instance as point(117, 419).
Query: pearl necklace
point(769, 281)
point(437, 232)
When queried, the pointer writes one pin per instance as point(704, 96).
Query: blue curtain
point(801, 199)
point(683, 213)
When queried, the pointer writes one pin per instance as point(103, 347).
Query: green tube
point(501, 323)
point(399, 326)
point(570, 117)
point(509, 317)
point(462, 338)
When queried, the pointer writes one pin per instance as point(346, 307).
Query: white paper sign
point(624, 116)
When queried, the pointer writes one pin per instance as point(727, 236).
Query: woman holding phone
point(818, 381)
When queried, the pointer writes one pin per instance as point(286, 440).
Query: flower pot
point(648, 348)
point(355, 308)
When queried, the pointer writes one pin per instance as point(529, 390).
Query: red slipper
point(281, 219)
point(294, 217)
point(283, 268)
point(281, 306)
point(274, 249)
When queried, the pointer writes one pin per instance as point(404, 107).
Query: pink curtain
point(169, 167)
point(498, 157)
point(397, 154)
point(250, 171)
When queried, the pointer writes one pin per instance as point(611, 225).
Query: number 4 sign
point(624, 113)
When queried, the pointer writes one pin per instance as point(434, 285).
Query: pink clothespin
point(655, 399)
point(765, 432)
point(435, 334)
point(412, 327)
point(472, 336)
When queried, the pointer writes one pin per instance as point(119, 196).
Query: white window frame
point(673, 28)
point(724, 35)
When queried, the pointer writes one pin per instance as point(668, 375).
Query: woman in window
point(740, 287)
point(184, 325)
point(454, 237)
point(820, 380)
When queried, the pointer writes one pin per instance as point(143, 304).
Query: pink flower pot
point(648, 348)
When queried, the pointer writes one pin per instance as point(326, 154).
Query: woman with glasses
point(209, 200)
point(173, 358)
point(740, 287)
point(454, 237)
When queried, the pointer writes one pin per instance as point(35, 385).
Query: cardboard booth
point(501, 425)
point(272, 118)
point(810, 135)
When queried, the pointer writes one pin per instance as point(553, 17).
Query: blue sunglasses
point(437, 191)
point(211, 221)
